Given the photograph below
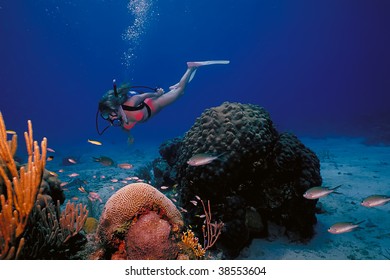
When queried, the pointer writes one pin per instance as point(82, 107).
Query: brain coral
point(131, 201)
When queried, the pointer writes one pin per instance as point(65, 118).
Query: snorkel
point(120, 110)
point(121, 114)
point(114, 87)
point(115, 95)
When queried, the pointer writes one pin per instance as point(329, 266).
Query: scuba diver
point(124, 106)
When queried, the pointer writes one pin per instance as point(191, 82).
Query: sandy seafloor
point(361, 170)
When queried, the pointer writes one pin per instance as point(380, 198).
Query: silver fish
point(317, 192)
point(343, 227)
point(375, 200)
point(202, 159)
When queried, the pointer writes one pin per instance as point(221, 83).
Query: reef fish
point(318, 192)
point(202, 159)
point(94, 142)
point(125, 165)
point(375, 200)
point(106, 161)
point(343, 227)
point(94, 196)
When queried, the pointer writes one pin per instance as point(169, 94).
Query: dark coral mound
point(255, 185)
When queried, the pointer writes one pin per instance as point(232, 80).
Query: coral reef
point(123, 220)
point(51, 186)
point(21, 188)
point(257, 182)
point(190, 246)
point(53, 234)
point(31, 226)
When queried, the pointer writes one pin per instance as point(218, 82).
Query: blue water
point(321, 68)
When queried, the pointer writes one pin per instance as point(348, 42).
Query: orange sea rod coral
point(21, 187)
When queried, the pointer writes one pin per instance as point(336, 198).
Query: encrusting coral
point(150, 238)
point(21, 188)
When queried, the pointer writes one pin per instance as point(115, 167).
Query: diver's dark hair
point(110, 102)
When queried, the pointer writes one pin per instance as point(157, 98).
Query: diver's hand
point(159, 92)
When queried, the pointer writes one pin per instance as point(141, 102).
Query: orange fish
point(71, 160)
point(50, 150)
point(125, 165)
point(53, 173)
point(93, 196)
point(81, 189)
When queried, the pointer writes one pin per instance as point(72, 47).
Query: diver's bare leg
point(175, 91)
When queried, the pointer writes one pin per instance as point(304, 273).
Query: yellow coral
point(132, 200)
point(90, 225)
point(191, 242)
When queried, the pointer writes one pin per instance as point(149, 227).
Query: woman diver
point(122, 108)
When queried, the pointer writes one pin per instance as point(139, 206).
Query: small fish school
point(343, 227)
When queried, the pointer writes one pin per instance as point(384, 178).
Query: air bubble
point(142, 11)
